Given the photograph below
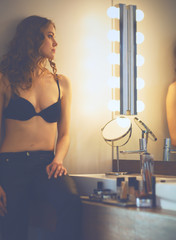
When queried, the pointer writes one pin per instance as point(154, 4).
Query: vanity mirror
point(156, 72)
point(117, 133)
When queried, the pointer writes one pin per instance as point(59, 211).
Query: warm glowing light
point(140, 60)
point(113, 12)
point(91, 42)
point(114, 82)
point(114, 58)
point(90, 64)
point(139, 15)
point(140, 106)
point(123, 122)
point(140, 83)
point(114, 35)
point(114, 105)
point(139, 38)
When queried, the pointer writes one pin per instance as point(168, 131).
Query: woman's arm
point(63, 139)
point(171, 112)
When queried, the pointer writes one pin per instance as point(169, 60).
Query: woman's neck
point(38, 71)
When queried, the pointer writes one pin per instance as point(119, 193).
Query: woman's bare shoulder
point(64, 82)
point(171, 94)
point(172, 89)
point(172, 85)
point(65, 86)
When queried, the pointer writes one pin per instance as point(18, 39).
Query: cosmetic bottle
point(145, 198)
point(99, 189)
point(136, 187)
point(118, 183)
point(124, 191)
point(147, 166)
point(131, 189)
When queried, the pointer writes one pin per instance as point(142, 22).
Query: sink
point(86, 183)
point(165, 187)
point(166, 194)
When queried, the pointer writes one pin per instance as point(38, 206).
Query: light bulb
point(139, 38)
point(113, 12)
point(140, 106)
point(139, 15)
point(140, 83)
point(114, 58)
point(140, 60)
point(123, 122)
point(114, 82)
point(114, 105)
point(114, 35)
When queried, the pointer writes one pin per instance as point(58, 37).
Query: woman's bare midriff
point(31, 135)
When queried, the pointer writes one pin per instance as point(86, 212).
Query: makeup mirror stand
point(115, 162)
point(117, 133)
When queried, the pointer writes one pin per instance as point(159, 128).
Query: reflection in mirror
point(170, 143)
point(117, 133)
point(168, 150)
point(171, 112)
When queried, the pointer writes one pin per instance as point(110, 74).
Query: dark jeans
point(23, 177)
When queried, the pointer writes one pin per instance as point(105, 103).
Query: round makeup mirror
point(117, 132)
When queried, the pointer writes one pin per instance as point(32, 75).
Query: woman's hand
point(3, 202)
point(56, 169)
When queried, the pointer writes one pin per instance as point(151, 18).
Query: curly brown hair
point(23, 56)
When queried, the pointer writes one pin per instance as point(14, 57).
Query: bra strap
point(57, 80)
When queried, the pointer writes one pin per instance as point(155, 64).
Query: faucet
point(146, 133)
point(167, 149)
point(142, 146)
point(142, 149)
point(147, 168)
point(146, 160)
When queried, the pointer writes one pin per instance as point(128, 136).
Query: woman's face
point(48, 47)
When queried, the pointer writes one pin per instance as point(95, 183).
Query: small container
point(144, 202)
point(124, 191)
point(136, 187)
point(118, 182)
point(131, 189)
point(99, 189)
point(147, 166)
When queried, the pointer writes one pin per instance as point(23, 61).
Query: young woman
point(35, 107)
point(171, 111)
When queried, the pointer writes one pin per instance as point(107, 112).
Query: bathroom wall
point(82, 52)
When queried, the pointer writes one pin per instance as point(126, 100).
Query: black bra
point(21, 109)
